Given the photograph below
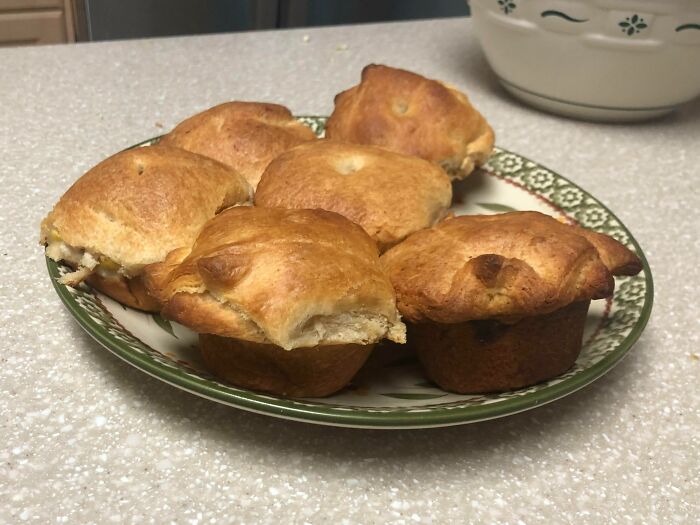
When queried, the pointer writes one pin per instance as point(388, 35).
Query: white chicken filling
point(85, 263)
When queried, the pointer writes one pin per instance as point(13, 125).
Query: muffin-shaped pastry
point(498, 302)
point(285, 301)
point(413, 115)
point(388, 194)
point(243, 135)
point(131, 210)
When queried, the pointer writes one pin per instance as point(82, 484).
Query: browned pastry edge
point(477, 357)
point(304, 372)
point(616, 256)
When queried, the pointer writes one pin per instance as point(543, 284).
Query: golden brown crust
point(477, 357)
point(408, 113)
point(505, 266)
point(243, 135)
point(140, 204)
point(293, 278)
point(129, 292)
point(388, 194)
point(307, 372)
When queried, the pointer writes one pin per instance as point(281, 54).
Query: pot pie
point(285, 301)
point(243, 135)
point(388, 194)
point(131, 210)
point(498, 302)
point(410, 114)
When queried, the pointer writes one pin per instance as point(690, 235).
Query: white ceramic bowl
point(615, 60)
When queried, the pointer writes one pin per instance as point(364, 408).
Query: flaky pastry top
point(502, 267)
point(408, 113)
point(243, 135)
point(294, 278)
point(390, 195)
point(138, 205)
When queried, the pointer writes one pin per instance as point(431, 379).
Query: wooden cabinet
point(26, 22)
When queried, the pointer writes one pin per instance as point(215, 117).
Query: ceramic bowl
point(614, 60)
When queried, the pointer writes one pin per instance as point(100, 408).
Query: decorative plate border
point(633, 300)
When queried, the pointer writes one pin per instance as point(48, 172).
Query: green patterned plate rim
point(610, 342)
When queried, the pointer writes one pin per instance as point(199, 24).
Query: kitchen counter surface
point(86, 438)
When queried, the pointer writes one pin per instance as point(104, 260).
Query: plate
point(390, 391)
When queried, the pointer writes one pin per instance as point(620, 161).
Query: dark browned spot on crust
point(487, 267)
point(631, 268)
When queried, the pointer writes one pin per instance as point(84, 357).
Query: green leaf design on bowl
point(633, 24)
point(687, 26)
point(498, 208)
point(552, 12)
point(416, 396)
point(164, 324)
point(507, 6)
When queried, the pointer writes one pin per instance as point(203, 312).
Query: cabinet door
point(32, 27)
point(17, 5)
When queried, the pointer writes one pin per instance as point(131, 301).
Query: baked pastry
point(498, 302)
point(388, 194)
point(286, 301)
point(243, 135)
point(131, 210)
point(413, 115)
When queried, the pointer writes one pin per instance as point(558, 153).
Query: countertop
point(87, 438)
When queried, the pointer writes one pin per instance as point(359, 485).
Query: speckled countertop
point(86, 438)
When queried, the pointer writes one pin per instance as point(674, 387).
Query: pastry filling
point(354, 327)
point(84, 262)
point(358, 327)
